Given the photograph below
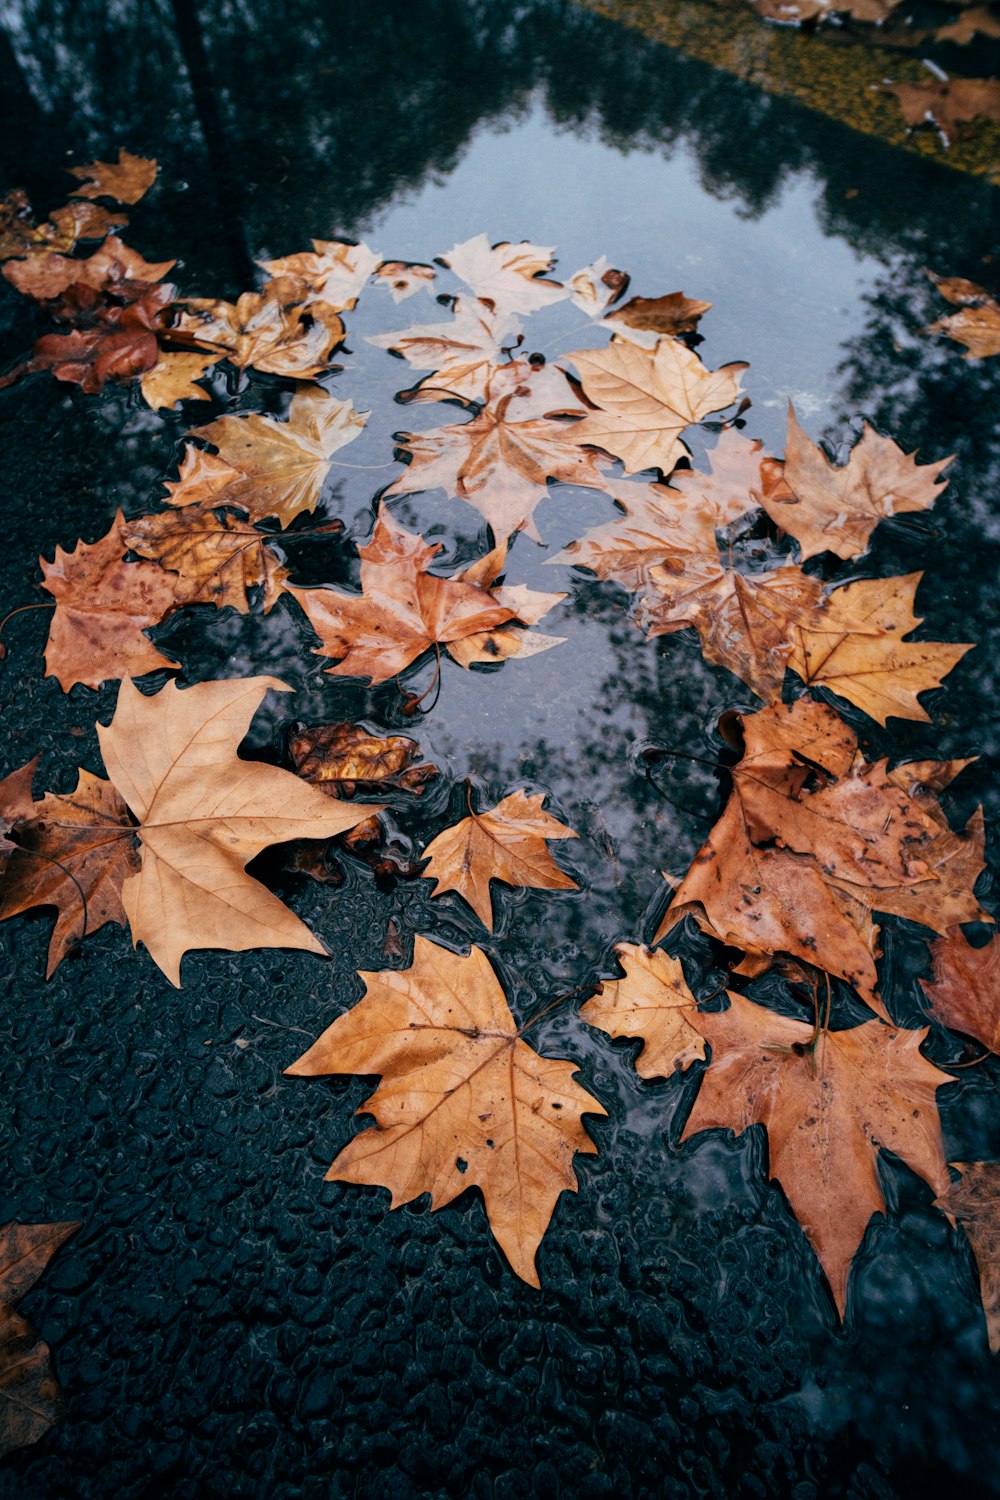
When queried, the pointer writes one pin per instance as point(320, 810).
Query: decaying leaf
point(103, 605)
point(268, 330)
point(975, 1202)
point(594, 288)
point(16, 804)
point(172, 380)
point(813, 840)
point(947, 103)
point(126, 180)
point(463, 1101)
point(827, 508)
point(21, 236)
point(652, 1002)
point(828, 1112)
point(656, 527)
point(669, 316)
point(508, 278)
point(30, 1398)
point(343, 759)
point(964, 992)
point(975, 20)
point(115, 268)
point(854, 646)
point(217, 559)
point(739, 474)
point(507, 843)
point(402, 611)
point(977, 325)
point(76, 851)
point(281, 466)
point(464, 353)
point(647, 397)
point(203, 814)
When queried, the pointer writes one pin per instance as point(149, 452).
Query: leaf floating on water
point(652, 1002)
point(965, 990)
point(977, 325)
point(126, 180)
point(509, 278)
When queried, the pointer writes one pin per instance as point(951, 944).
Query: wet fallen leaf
point(21, 236)
point(502, 642)
point(103, 605)
point(670, 315)
point(656, 527)
point(977, 325)
point(854, 646)
point(16, 804)
point(828, 1113)
point(499, 466)
point(334, 272)
point(507, 843)
point(126, 180)
point(203, 814)
point(402, 611)
point(172, 380)
point(77, 849)
point(976, 20)
point(833, 508)
point(405, 278)
point(652, 1002)
point(947, 103)
point(343, 759)
point(203, 479)
point(269, 331)
point(217, 559)
point(114, 268)
point(964, 991)
point(739, 474)
point(509, 278)
point(813, 840)
point(464, 353)
point(463, 1101)
point(647, 397)
point(594, 288)
point(975, 1202)
point(281, 466)
point(30, 1398)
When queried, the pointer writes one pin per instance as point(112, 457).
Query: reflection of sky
point(786, 294)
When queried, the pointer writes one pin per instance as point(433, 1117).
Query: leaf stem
point(21, 609)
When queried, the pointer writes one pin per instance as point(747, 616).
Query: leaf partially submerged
point(975, 1202)
point(977, 324)
point(964, 992)
point(507, 843)
point(216, 558)
point(508, 278)
point(652, 1002)
point(827, 1116)
point(463, 1101)
point(126, 180)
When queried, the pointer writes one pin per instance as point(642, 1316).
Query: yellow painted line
point(836, 78)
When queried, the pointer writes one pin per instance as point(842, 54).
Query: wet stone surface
point(225, 1320)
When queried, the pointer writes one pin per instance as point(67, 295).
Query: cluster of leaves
point(812, 843)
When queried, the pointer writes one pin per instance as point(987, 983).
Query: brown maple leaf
point(30, 1398)
point(500, 463)
point(947, 103)
point(812, 841)
point(657, 527)
point(115, 268)
point(854, 646)
point(507, 843)
point(647, 397)
point(828, 1113)
point(652, 1002)
point(16, 804)
point(827, 508)
point(217, 559)
point(464, 353)
point(202, 479)
point(203, 814)
point(977, 325)
point(502, 642)
point(463, 1101)
point(270, 331)
point(76, 850)
point(402, 611)
point(126, 180)
point(508, 278)
point(172, 380)
point(103, 606)
point(964, 992)
point(975, 1202)
point(977, 20)
point(281, 466)
point(21, 236)
point(334, 272)
point(670, 315)
point(739, 474)
point(594, 288)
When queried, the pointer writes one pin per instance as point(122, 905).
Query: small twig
point(278, 1025)
point(435, 683)
point(576, 990)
